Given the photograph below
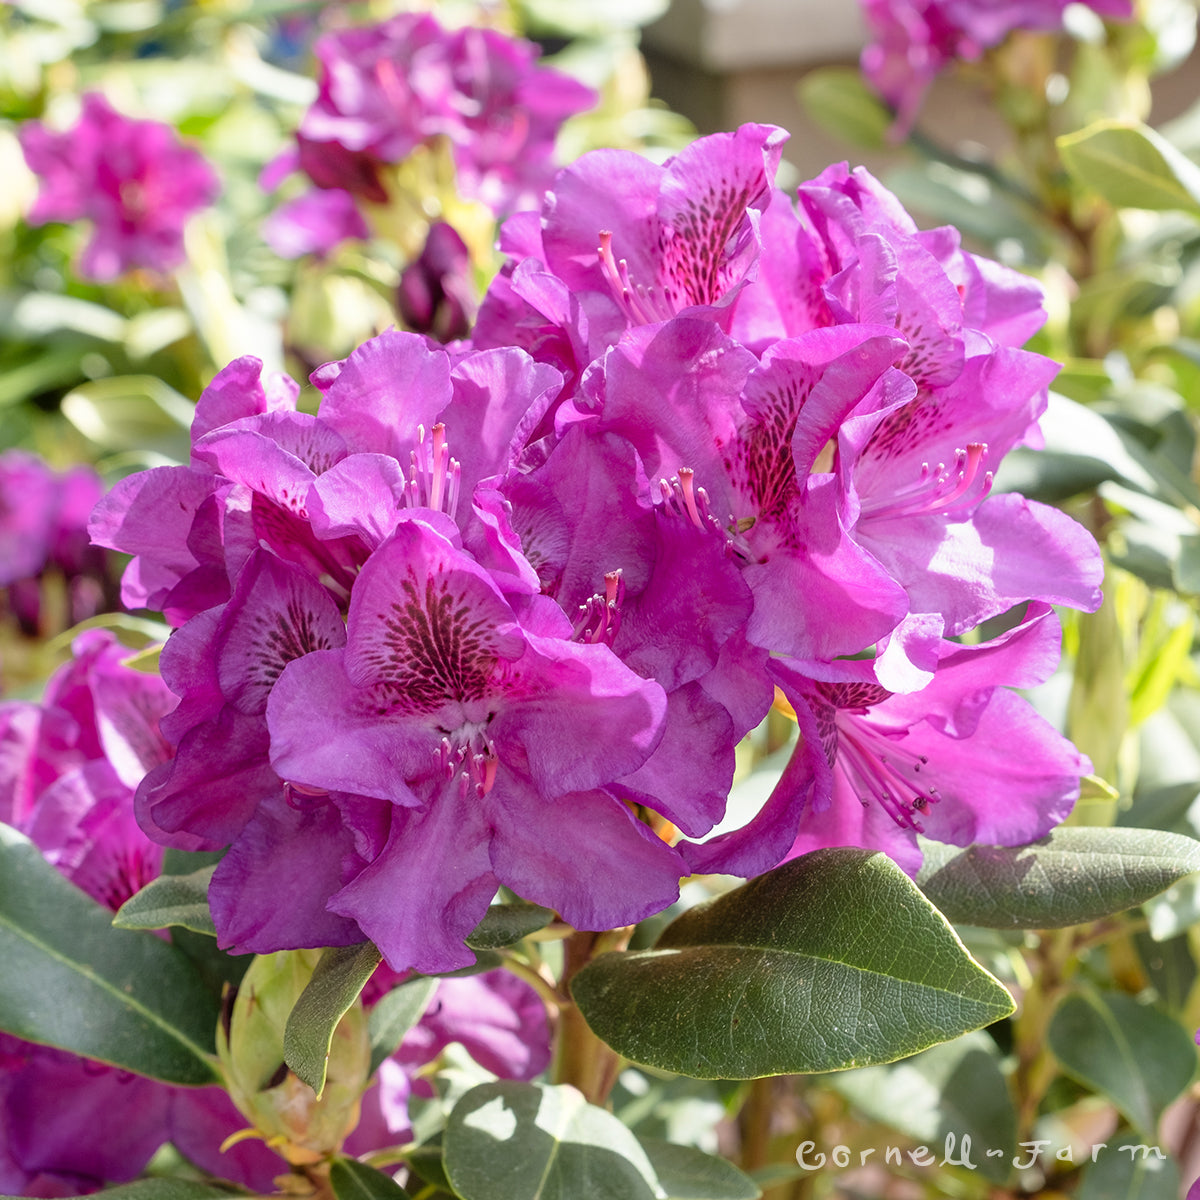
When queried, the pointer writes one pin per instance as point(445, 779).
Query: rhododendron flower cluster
point(913, 41)
point(387, 89)
point(135, 181)
point(499, 614)
point(68, 769)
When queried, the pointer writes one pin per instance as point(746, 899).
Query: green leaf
point(956, 1089)
point(353, 1180)
point(504, 924)
point(335, 985)
point(1131, 166)
point(685, 1173)
point(162, 1189)
point(525, 1141)
point(393, 1015)
point(1132, 1053)
point(71, 980)
point(1127, 1169)
point(840, 102)
point(170, 900)
point(1073, 875)
point(131, 412)
point(830, 961)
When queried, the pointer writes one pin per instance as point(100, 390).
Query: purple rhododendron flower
point(314, 223)
point(874, 769)
point(436, 295)
point(43, 529)
point(469, 718)
point(134, 180)
point(913, 40)
point(387, 89)
point(623, 242)
point(703, 443)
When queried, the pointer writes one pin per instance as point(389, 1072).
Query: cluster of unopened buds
point(499, 612)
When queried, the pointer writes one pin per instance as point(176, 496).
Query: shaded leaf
point(956, 1089)
point(1132, 1053)
point(353, 1180)
point(170, 900)
point(1131, 166)
point(336, 982)
point(685, 1173)
point(832, 960)
point(525, 1141)
point(840, 102)
point(1127, 1169)
point(1073, 875)
point(122, 996)
point(504, 924)
point(393, 1015)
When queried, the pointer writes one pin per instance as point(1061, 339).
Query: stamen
point(880, 769)
point(938, 490)
point(435, 478)
point(642, 305)
point(599, 617)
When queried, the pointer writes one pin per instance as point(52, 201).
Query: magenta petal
point(363, 494)
point(74, 1121)
point(210, 788)
point(200, 1121)
point(343, 744)
point(278, 613)
point(688, 777)
point(270, 890)
point(429, 887)
point(378, 396)
point(496, 1017)
point(540, 846)
point(241, 390)
point(990, 795)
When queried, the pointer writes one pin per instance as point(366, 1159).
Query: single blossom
point(135, 181)
point(387, 89)
point(43, 531)
point(476, 722)
point(912, 41)
point(624, 242)
point(874, 769)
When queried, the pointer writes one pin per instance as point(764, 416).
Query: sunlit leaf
point(832, 960)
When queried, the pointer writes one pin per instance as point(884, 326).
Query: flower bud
point(301, 1126)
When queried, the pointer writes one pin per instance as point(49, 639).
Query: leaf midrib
point(742, 948)
point(127, 999)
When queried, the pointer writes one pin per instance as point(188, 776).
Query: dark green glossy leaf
point(335, 985)
point(426, 1161)
point(1131, 166)
point(353, 1180)
point(1073, 875)
point(833, 960)
point(170, 900)
point(393, 1015)
point(525, 1141)
point(956, 1089)
point(505, 924)
point(122, 996)
point(685, 1173)
point(163, 1189)
point(1127, 1169)
point(1132, 1053)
